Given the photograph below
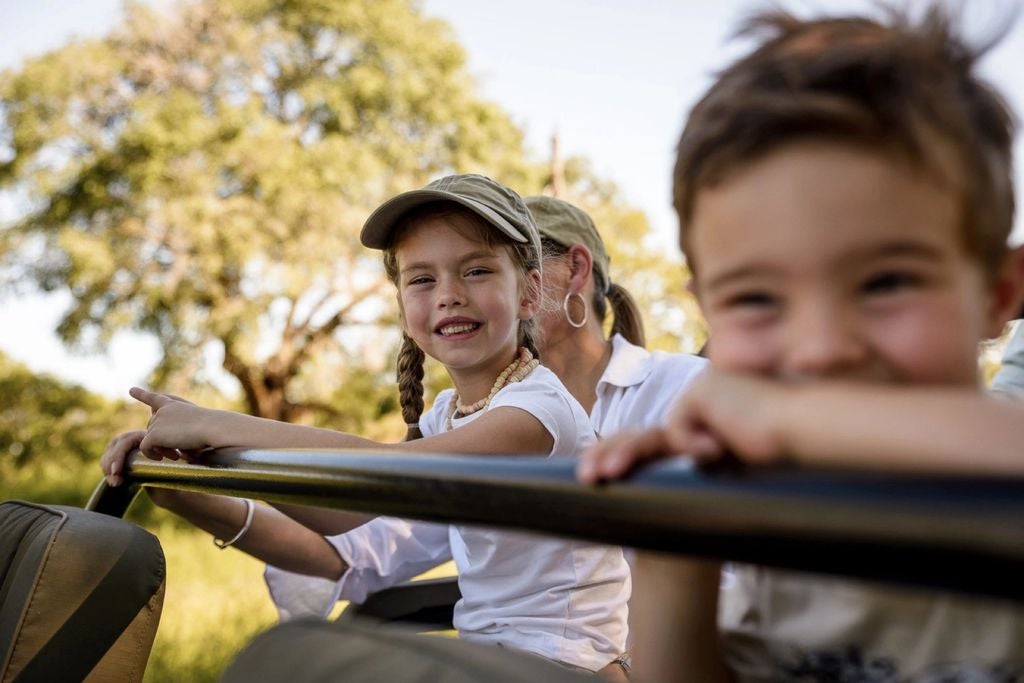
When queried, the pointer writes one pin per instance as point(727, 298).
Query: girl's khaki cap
point(492, 201)
point(566, 224)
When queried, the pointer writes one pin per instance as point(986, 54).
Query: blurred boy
point(844, 196)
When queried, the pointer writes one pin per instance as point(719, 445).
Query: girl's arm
point(179, 426)
point(190, 428)
point(273, 537)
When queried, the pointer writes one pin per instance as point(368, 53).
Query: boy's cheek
point(733, 348)
point(928, 349)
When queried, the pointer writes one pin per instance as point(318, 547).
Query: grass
point(216, 602)
point(57, 481)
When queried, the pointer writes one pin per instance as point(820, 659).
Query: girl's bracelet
point(625, 662)
point(250, 510)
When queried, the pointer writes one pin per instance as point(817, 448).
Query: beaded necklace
point(522, 366)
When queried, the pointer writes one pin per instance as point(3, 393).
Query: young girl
point(619, 382)
point(464, 253)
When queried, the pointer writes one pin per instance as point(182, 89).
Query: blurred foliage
point(51, 432)
point(201, 174)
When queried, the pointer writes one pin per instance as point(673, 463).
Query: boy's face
point(820, 260)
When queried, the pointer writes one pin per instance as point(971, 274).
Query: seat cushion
point(80, 594)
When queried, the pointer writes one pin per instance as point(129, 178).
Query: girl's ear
point(1007, 293)
point(530, 296)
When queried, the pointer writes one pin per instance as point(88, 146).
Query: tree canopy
point(201, 173)
point(52, 418)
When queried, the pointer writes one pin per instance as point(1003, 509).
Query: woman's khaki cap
point(566, 224)
point(492, 201)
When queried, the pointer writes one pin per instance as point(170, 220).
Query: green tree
point(201, 175)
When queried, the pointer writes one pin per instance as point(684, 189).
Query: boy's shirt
point(780, 625)
point(1010, 378)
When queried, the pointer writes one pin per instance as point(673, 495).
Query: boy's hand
point(720, 412)
point(617, 455)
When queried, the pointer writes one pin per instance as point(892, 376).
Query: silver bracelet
point(250, 510)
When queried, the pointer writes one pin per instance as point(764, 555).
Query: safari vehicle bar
point(954, 532)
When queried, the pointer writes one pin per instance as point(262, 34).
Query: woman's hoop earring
point(568, 316)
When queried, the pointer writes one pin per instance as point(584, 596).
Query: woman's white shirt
point(638, 386)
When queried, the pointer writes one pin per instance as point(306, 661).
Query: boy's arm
point(674, 615)
point(918, 429)
point(832, 424)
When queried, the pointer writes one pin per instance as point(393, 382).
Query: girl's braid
point(410, 386)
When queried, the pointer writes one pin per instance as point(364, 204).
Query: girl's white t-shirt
point(561, 599)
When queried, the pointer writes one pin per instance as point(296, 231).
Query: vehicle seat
point(80, 595)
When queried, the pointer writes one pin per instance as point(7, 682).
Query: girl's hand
point(174, 429)
point(121, 446)
point(112, 463)
point(113, 459)
point(719, 413)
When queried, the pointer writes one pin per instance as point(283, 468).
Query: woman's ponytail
point(626, 318)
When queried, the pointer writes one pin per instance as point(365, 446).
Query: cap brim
point(379, 227)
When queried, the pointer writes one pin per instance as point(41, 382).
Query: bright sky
point(615, 79)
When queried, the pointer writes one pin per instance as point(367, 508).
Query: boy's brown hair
point(904, 88)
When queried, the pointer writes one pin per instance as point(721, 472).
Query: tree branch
point(315, 337)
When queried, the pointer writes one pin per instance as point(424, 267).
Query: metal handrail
point(953, 532)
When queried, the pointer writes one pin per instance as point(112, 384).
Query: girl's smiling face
point(462, 300)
